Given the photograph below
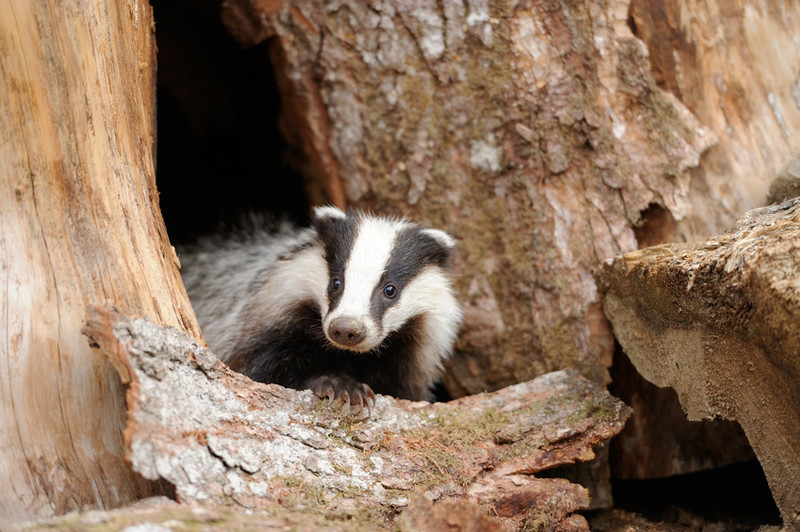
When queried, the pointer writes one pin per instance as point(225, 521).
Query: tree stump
point(80, 224)
point(718, 322)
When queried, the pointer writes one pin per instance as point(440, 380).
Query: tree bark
point(548, 137)
point(215, 436)
point(536, 133)
point(718, 322)
point(80, 224)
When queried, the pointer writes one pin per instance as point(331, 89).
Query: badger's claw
point(343, 391)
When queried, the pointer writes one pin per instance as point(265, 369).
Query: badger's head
point(383, 273)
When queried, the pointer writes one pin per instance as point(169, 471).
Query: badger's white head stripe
point(363, 274)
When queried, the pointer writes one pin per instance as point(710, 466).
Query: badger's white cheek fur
point(288, 283)
point(428, 294)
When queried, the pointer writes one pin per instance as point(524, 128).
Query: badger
point(354, 305)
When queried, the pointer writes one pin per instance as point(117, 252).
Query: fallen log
point(719, 322)
point(221, 439)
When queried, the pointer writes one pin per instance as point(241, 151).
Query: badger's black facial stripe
point(413, 250)
point(337, 236)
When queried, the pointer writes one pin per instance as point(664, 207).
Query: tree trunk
point(537, 133)
point(80, 224)
point(547, 137)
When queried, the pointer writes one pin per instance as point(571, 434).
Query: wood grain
point(79, 224)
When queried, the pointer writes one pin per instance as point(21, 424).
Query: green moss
point(445, 446)
point(535, 523)
point(443, 467)
point(601, 408)
point(343, 468)
point(302, 494)
point(331, 415)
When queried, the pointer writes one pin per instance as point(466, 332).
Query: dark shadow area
point(736, 495)
point(220, 151)
point(656, 226)
point(722, 482)
point(658, 440)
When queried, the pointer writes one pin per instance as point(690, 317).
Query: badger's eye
point(336, 284)
point(390, 291)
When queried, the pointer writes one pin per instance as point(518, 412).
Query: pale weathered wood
point(79, 224)
point(719, 321)
point(736, 65)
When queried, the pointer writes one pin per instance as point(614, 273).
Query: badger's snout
point(347, 331)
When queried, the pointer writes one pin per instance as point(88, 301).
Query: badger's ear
point(439, 246)
point(324, 212)
point(326, 217)
point(442, 238)
point(335, 229)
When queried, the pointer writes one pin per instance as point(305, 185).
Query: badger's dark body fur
point(354, 300)
point(298, 353)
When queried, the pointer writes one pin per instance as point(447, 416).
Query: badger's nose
point(346, 331)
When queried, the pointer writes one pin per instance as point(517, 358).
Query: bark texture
point(718, 322)
point(547, 136)
point(735, 64)
point(537, 133)
point(80, 224)
point(216, 436)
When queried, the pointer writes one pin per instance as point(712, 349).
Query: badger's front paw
point(342, 390)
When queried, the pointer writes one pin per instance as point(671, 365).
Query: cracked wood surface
point(79, 224)
point(719, 321)
point(220, 438)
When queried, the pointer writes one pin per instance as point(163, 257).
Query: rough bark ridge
point(533, 131)
point(79, 224)
point(220, 438)
point(718, 322)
